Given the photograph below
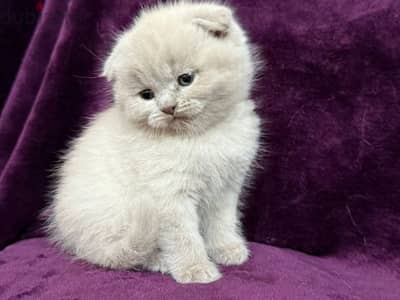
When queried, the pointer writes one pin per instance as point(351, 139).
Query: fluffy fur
point(143, 188)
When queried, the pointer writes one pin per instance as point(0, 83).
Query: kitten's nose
point(169, 110)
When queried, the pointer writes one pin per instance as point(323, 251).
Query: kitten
point(154, 181)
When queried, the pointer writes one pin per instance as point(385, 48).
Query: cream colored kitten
point(154, 181)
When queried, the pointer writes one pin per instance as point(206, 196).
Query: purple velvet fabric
point(32, 269)
point(330, 183)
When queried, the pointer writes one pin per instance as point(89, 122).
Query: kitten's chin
point(160, 122)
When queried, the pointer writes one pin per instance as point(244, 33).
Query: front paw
point(230, 254)
point(157, 264)
point(198, 273)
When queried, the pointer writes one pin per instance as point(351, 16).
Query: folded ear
point(215, 19)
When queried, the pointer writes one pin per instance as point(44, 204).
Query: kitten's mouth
point(178, 121)
point(175, 122)
point(179, 117)
point(182, 118)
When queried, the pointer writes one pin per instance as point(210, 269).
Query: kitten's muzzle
point(169, 110)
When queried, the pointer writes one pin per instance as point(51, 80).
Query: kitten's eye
point(185, 79)
point(147, 94)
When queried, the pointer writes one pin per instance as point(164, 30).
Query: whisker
point(85, 77)
point(91, 52)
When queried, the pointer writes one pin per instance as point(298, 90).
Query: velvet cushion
point(329, 95)
point(32, 269)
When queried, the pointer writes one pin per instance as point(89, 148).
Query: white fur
point(140, 188)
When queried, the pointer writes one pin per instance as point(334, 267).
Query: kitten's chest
point(210, 162)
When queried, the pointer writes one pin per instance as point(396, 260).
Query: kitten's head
point(181, 67)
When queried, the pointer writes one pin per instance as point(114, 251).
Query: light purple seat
point(32, 269)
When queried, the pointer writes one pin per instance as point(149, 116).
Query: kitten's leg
point(121, 245)
point(156, 263)
point(222, 233)
point(182, 247)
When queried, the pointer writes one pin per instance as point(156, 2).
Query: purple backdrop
point(330, 95)
point(17, 22)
